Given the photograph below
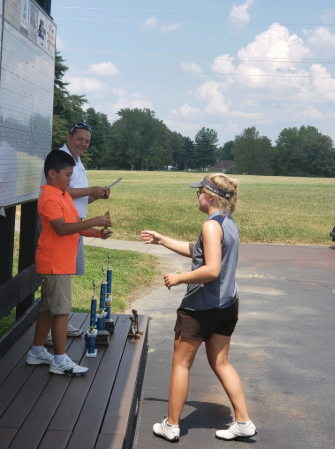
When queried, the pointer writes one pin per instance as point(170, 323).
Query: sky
point(216, 64)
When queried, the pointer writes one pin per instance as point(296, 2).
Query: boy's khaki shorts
point(56, 293)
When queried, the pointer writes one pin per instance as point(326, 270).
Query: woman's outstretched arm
point(153, 237)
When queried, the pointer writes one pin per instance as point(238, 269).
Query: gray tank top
point(221, 292)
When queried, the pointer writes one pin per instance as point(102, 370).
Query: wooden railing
point(18, 291)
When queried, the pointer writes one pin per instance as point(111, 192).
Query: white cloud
point(321, 38)
point(328, 16)
point(223, 64)
point(273, 52)
point(239, 15)
point(165, 29)
point(85, 86)
point(119, 92)
point(148, 25)
point(132, 103)
point(268, 82)
point(310, 113)
point(323, 85)
point(103, 69)
point(185, 127)
point(216, 103)
point(186, 111)
point(191, 67)
point(276, 44)
point(126, 99)
point(208, 90)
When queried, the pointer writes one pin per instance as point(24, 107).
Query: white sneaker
point(168, 433)
point(235, 431)
point(48, 341)
point(42, 357)
point(68, 368)
point(71, 332)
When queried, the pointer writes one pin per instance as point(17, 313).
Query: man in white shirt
point(77, 143)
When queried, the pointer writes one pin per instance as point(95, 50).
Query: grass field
point(269, 209)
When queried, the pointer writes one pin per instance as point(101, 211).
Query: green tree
point(224, 153)
point(175, 145)
point(142, 140)
point(252, 153)
point(304, 152)
point(100, 145)
point(188, 152)
point(205, 147)
point(67, 108)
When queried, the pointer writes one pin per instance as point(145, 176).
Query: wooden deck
point(45, 411)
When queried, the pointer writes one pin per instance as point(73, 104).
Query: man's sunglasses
point(80, 125)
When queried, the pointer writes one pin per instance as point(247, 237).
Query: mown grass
point(130, 271)
point(269, 210)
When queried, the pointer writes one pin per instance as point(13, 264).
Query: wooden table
point(45, 411)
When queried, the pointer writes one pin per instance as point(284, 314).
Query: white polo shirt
point(78, 180)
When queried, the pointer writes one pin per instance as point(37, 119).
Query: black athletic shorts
point(202, 324)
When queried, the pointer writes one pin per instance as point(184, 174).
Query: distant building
point(222, 166)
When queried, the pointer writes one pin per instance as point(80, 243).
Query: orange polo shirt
point(56, 254)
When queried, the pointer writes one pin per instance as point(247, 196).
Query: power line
point(168, 72)
point(239, 74)
point(184, 23)
point(190, 11)
point(264, 75)
point(173, 55)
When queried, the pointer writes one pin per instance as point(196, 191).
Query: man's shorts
point(80, 262)
point(56, 293)
point(201, 325)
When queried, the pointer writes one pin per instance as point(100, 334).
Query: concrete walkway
point(140, 247)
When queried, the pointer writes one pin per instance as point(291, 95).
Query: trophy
point(134, 333)
point(109, 322)
point(103, 335)
point(91, 333)
point(105, 229)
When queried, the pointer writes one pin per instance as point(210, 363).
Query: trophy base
point(110, 326)
point(93, 354)
point(102, 339)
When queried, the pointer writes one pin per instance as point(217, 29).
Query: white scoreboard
point(27, 62)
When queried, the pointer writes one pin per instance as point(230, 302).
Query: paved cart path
point(282, 349)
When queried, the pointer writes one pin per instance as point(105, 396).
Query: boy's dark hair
point(57, 160)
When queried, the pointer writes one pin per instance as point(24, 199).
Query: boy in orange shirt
point(56, 261)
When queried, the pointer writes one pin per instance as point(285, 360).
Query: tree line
point(138, 140)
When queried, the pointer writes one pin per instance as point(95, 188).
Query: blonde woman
point(209, 310)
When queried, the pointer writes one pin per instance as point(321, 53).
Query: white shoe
point(43, 357)
point(48, 341)
point(168, 433)
point(68, 368)
point(71, 332)
point(235, 431)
